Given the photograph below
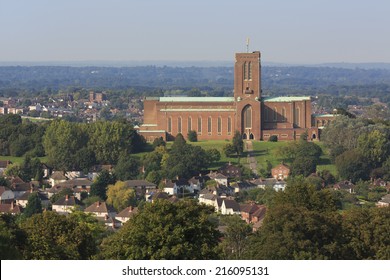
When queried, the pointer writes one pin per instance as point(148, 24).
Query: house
point(208, 199)
point(97, 169)
point(23, 199)
point(57, 177)
point(19, 187)
point(197, 183)
point(78, 186)
point(384, 202)
point(66, 204)
point(3, 166)
point(218, 177)
point(230, 171)
point(10, 208)
point(126, 214)
point(100, 209)
point(230, 207)
point(243, 186)
point(280, 172)
point(157, 195)
point(141, 187)
point(110, 222)
point(345, 186)
point(6, 195)
point(175, 187)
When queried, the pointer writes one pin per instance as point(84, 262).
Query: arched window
point(284, 114)
point(247, 117)
point(297, 117)
point(209, 123)
point(169, 124)
point(199, 125)
point(275, 114)
point(189, 124)
point(250, 71)
point(219, 126)
point(179, 125)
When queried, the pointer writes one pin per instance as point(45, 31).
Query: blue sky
point(299, 31)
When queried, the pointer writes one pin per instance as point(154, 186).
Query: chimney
point(12, 205)
point(66, 197)
point(131, 209)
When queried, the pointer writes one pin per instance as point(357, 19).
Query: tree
point(120, 196)
point(127, 168)
point(235, 238)
point(165, 230)
point(159, 142)
point(273, 138)
point(99, 186)
point(374, 146)
point(12, 238)
point(352, 165)
point(303, 166)
point(238, 143)
point(51, 236)
point(213, 155)
point(192, 136)
point(366, 233)
point(34, 205)
point(228, 150)
point(84, 159)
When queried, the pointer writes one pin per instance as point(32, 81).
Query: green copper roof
point(285, 98)
point(196, 99)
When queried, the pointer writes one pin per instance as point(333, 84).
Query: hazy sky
point(290, 31)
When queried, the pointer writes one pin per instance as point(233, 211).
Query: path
point(251, 159)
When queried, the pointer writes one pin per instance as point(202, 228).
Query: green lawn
point(19, 159)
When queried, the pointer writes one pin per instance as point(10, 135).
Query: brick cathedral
point(217, 118)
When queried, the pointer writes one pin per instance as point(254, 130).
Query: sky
point(295, 31)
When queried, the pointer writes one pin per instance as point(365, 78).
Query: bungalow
point(126, 214)
point(10, 208)
point(6, 196)
point(280, 172)
point(100, 209)
point(230, 207)
point(66, 204)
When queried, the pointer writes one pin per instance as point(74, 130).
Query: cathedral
point(217, 118)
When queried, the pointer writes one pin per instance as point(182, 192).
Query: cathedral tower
point(247, 94)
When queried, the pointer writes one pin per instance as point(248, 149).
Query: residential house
point(197, 183)
point(97, 169)
point(384, 202)
point(78, 186)
point(126, 214)
point(230, 171)
point(66, 204)
point(157, 195)
point(208, 199)
point(280, 172)
point(19, 187)
point(101, 209)
point(253, 214)
point(10, 208)
point(3, 166)
point(110, 222)
point(230, 207)
point(141, 187)
point(179, 186)
point(6, 196)
point(242, 186)
point(346, 185)
point(23, 199)
point(218, 177)
point(57, 177)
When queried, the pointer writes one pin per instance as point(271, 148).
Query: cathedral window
point(169, 124)
point(199, 125)
point(229, 126)
point(245, 71)
point(219, 127)
point(275, 114)
point(179, 125)
point(247, 115)
point(209, 123)
point(283, 114)
point(250, 71)
point(189, 124)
